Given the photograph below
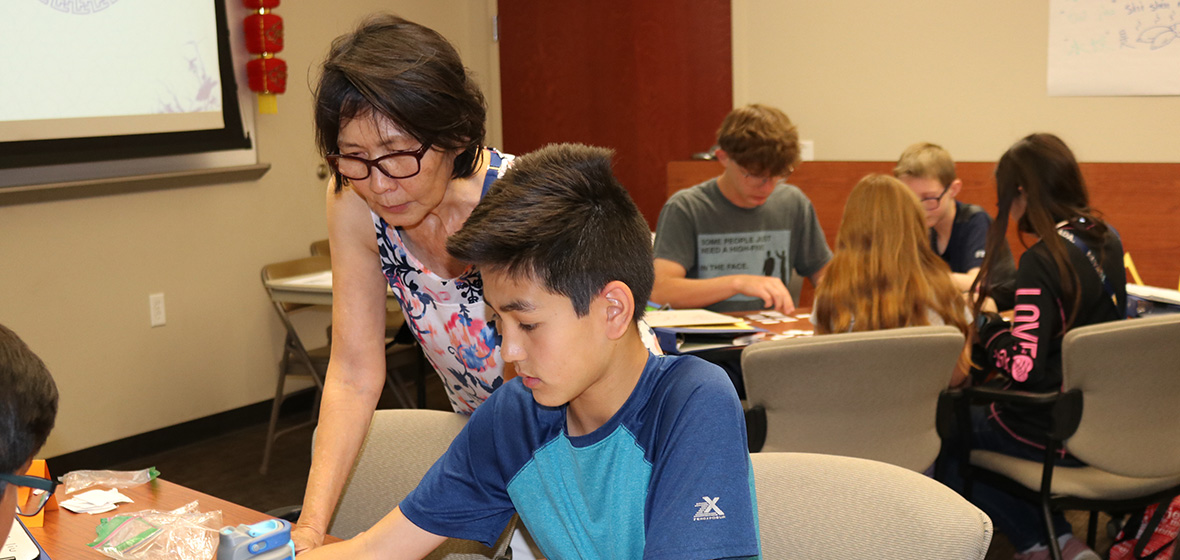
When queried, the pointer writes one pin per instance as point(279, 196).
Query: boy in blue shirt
point(604, 450)
point(958, 231)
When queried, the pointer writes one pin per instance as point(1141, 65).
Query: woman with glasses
point(28, 407)
point(884, 275)
point(401, 123)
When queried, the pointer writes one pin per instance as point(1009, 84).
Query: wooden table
point(797, 323)
point(65, 534)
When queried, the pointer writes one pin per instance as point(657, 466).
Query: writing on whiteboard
point(1139, 25)
point(1114, 47)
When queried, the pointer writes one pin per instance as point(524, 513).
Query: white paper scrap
point(95, 501)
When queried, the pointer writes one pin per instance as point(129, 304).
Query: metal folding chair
point(314, 362)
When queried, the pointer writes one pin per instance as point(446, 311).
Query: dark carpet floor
point(227, 466)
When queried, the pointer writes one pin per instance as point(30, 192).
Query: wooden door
point(650, 79)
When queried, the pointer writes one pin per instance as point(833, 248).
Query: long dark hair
point(409, 73)
point(1042, 168)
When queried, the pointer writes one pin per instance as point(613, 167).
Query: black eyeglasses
point(932, 202)
point(40, 489)
point(762, 180)
point(401, 164)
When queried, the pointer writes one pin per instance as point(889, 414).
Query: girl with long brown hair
point(1071, 276)
point(884, 274)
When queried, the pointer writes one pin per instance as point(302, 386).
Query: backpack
point(1160, 524)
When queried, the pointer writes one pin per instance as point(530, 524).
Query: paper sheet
point(687, 317)
point(95, 501)
point(19, 544)
point(1153, 293)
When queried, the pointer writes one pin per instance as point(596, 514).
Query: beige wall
point(75, 275)
point(865, 78)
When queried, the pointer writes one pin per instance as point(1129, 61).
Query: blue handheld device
point(268, 540)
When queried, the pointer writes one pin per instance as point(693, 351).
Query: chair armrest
point(1065, 409)
point(503, 548)
point(994, 394)
point(944, 416)
point(756, 428)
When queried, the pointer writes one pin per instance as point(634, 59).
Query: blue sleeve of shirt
point(701, 501)
point(974, 241)
point(464, 494)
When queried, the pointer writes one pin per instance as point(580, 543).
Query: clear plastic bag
point(181, 534)
point(80, 480)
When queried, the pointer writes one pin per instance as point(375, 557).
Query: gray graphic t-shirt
point(710, 236)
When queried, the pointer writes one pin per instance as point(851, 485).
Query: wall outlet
point(807, 150)
point(156, 307)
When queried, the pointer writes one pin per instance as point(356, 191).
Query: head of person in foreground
point(28, 407)
point(566, 261)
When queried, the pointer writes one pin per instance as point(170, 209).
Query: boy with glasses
point(958, 231)
point(28, 406)
point(732, 242)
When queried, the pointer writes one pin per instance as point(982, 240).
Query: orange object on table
point(37, 468)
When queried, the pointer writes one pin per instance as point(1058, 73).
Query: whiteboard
point(1114, 47)
point(108, 69)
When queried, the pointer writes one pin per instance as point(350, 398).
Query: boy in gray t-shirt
point(732, 242)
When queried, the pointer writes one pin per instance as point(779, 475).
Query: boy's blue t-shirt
point(966, 247)
point(668, 476)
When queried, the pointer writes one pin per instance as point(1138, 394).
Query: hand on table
point(770, 290)
point(306, 538)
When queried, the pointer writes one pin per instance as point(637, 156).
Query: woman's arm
point(356, 369)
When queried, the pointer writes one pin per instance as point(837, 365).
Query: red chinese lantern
point(264, 33)
point(266, 74)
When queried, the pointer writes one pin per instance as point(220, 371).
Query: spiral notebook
point(20, 545)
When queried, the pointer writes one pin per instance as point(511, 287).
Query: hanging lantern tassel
point(266, 74)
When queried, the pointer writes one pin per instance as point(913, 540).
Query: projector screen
point(102, 80)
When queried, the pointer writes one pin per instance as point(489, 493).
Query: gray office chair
point(399, 449)
point(1118, 411)
point(827, 506)
point(313, 362)
point(872, 395)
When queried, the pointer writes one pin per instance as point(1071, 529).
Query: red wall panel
point(651, 79)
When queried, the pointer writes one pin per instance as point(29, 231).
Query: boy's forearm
point(693, 292)
point(394, 538)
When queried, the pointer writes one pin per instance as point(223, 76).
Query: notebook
point(20, 545)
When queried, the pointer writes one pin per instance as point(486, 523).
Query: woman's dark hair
point(1043, 168)
point(398, 69)
point(28, 403)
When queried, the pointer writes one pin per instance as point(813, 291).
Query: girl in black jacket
point(1071, 276)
